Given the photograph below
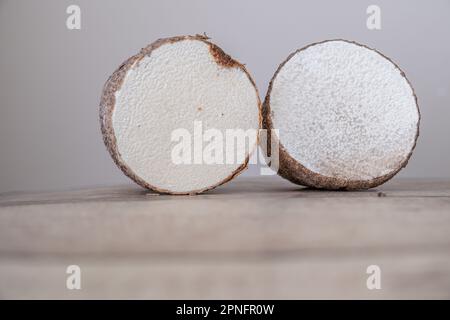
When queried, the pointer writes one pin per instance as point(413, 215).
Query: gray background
point(51, 77)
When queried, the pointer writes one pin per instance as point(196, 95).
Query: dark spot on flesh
point(221, 57)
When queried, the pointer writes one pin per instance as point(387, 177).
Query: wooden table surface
point(254, 238)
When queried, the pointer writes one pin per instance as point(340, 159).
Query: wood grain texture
point(252, 238)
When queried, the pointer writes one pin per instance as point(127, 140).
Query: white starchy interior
point(344, 111)
point(180, 83)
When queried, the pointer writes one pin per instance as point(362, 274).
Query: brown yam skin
point(114, 83)
point(292, 170)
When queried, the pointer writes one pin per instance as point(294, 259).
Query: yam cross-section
point(347, 116)
point(177, 83)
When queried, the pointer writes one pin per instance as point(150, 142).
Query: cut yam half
point(182, 83)
point(347, 116)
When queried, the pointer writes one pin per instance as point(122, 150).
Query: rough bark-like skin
point(114, 83)
point(292, 170)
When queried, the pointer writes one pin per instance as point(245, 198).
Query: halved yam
point(347, 116)
point(177, 83)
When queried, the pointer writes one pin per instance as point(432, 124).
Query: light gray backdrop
point(51, 77)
